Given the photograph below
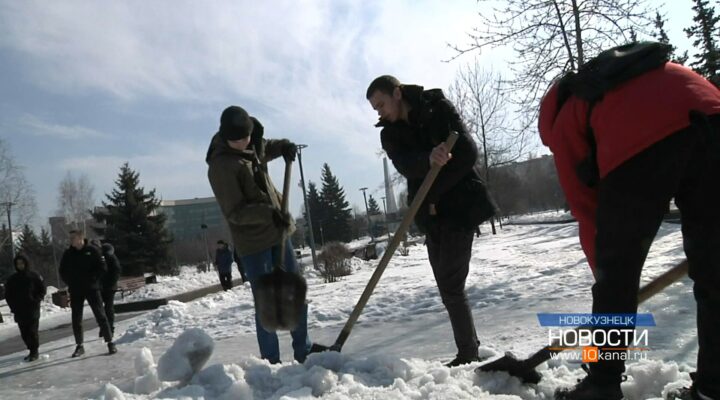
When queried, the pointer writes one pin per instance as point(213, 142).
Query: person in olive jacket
point(25, 291)
point(237, 170)
point(81, 268)
point(109, 283)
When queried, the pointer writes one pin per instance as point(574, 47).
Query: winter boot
point(111, 348)
point(32, 356)
point(691, 393)
point(595, 386)
point(79, 350)
point(460, 360)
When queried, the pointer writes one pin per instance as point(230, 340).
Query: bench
point(130, 284)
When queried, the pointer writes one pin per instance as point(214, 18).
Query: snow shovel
point(525, 369)
point(280, 295)
point(392, 246)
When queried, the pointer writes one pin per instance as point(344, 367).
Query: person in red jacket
point(657, 138)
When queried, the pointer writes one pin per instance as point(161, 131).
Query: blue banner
point(596, 320)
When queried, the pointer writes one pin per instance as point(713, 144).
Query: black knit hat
point(235, 123)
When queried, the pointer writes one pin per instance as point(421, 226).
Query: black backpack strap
point(587, 170)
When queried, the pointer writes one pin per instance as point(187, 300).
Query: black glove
point(281, 219)
point(289, 151)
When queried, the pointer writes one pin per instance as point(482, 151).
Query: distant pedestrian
point(109, 283)
point(25, 291)
point(223, 263)
point(81, 267)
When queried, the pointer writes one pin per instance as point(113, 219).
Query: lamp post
point(307, 208)
point(8, 206)
point(367, 212)
point(387, 229)
point(204, 227)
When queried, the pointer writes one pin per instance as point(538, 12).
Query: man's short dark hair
point(385, 84)
point(76, 232)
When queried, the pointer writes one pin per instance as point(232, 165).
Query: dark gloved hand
point(281, 219)
point(289, 151)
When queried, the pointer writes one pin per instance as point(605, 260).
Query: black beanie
point(235, 124)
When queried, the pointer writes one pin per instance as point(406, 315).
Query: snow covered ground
point(397, 348)
point(52, 316)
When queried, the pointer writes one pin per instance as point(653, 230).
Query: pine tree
point(38, 253)
point(336, 226)
point(662, 37)
point(317, 211)
point(704, 32)
point(46, 259)
point(134, 226)
point(373, 208)
point(30, 244)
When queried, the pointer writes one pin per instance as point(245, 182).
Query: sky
point(88, 86)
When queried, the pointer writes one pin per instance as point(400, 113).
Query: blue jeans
point(259, 264)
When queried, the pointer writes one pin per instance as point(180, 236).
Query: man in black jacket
point(415, 123)
point(81, 268)
point(109, 282)
point(25, 291)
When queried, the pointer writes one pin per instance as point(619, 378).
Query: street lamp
point(387, 229)
point(307, 208)
point(8, 206)
point(363, 189)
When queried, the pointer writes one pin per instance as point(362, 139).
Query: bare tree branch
point(15, 189)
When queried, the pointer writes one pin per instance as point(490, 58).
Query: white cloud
point(37, 127)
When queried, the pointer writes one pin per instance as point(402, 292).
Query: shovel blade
point(510, 364)
point(280, 300)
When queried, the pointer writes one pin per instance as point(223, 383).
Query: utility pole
point(8, 206)
point(307, 208)
point(363, 189)
point(387, 229)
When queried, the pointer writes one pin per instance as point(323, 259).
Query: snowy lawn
point(397, 348)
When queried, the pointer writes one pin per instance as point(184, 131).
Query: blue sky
point(86, 86)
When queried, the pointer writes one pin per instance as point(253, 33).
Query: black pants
point(108, 298)
point(77, 302)
point(226, 280)
point(29, 333)
point(632, 200)
point(449, 253)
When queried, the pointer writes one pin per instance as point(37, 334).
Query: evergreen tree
point(46, 258)
point(373, 208)
point(30, 244)
point(705, 34)
point(38, 252)
point(317, 211)
point(662, 37)
point(132, 223)
point(336, 225)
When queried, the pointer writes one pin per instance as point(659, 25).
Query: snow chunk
point(113, 393)
point(648, 378)
point(144, 361)
point(186, 356)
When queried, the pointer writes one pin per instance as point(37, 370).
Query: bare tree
point(15, 190)
point(550, 37)
point(479, 97)
point(76, 199)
